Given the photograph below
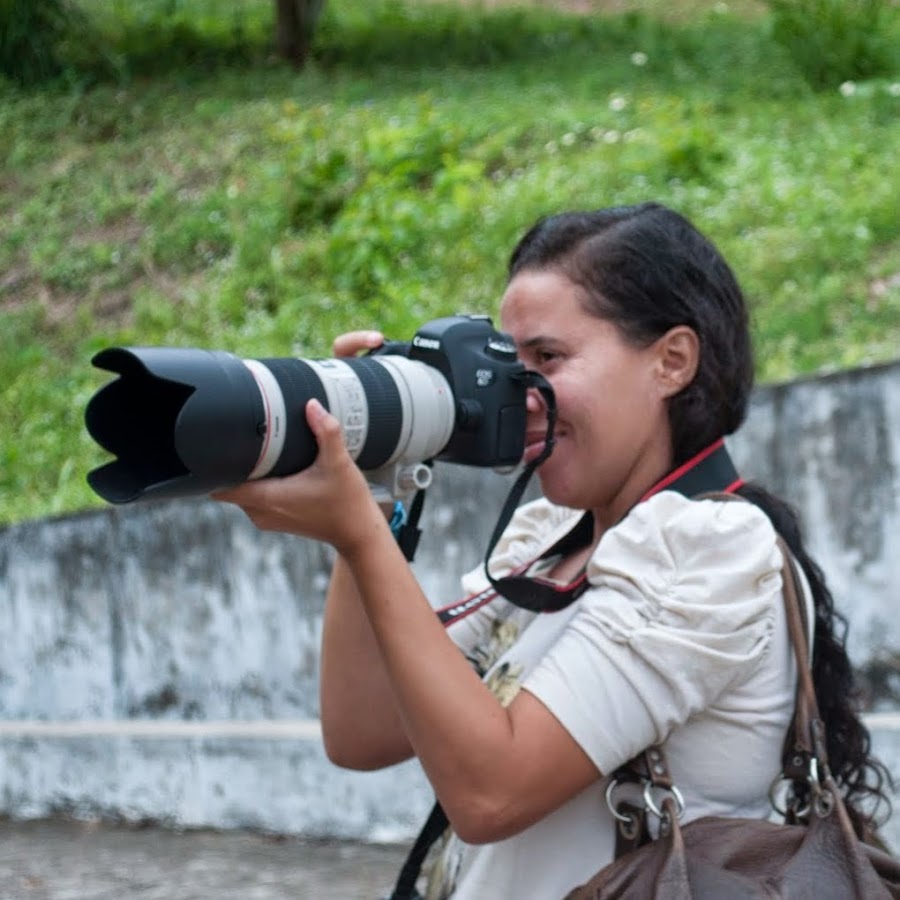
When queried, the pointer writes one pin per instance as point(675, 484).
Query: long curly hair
point(647, 269)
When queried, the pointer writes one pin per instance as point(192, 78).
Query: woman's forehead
point(541, 295)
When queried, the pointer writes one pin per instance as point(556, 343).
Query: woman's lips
point(532, 451)
point(535, 441)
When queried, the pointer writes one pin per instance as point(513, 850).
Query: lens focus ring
point(298, 383)
point(385, 412)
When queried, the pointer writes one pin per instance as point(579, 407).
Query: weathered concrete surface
point(65, 860)
point(268, 775)
point(132, 625)
point(831, 447)
point(184, 610)
point(177, 610)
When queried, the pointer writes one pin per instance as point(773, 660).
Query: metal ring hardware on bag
point(610, 789)
point(651, 805)
point(627, 820)
point(793, 806)
point(819, 798)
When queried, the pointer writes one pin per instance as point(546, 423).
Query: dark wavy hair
point(647, 269)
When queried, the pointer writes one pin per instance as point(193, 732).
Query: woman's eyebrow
point(539, 340)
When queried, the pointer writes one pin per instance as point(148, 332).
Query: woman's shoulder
point(670, 525)
point(705, 552)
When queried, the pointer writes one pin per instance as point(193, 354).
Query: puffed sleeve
point(682, 606)
point(534, 526)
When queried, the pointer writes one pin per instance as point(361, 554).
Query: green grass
point(182, 187)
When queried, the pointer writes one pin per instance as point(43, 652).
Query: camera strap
point(711, 470)
point(408, 533)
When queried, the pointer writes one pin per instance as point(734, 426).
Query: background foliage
point(182, 187)
point(832, 41)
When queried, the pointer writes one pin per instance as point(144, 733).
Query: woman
point(640, 328)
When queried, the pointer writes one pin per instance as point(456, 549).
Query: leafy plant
point(833, 41)
point(32, 33)
point(233, 203)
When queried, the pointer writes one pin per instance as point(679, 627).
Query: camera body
point(482, 370)
point(188, 421)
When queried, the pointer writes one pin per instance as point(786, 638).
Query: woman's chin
point(552, 490)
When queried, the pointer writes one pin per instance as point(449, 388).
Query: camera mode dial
point(501, 349)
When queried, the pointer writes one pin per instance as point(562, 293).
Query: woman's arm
point(495, 769)
point(361, 725)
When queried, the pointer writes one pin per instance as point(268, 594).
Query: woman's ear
point(677, 359)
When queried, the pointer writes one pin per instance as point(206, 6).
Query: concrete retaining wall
point(160, 661)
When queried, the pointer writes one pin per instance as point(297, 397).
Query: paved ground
point(60, 860)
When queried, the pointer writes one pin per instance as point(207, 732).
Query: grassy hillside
point(181, 187)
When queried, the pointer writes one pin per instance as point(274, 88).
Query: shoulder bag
point(816, 854)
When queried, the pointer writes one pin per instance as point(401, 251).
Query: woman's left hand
point(329, 501)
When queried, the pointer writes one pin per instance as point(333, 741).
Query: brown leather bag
point(818, 856)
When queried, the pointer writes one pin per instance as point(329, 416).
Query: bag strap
point(804, 756)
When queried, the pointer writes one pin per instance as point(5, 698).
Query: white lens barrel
point(346, 401)
point(426, 409)
point(275, 419)
point(429, 409)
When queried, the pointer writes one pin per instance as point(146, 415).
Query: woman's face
point(612, 432)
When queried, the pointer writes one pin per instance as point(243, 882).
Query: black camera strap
point(711, 470)
point(409, 532)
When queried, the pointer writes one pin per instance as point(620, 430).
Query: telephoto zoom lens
point(182, 422)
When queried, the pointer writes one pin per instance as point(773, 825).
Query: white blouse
point(680, 638)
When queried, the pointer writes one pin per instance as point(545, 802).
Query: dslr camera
point(183, 422)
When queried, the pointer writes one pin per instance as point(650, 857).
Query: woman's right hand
point(301, 503)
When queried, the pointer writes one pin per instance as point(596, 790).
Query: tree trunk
point(294, 28)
